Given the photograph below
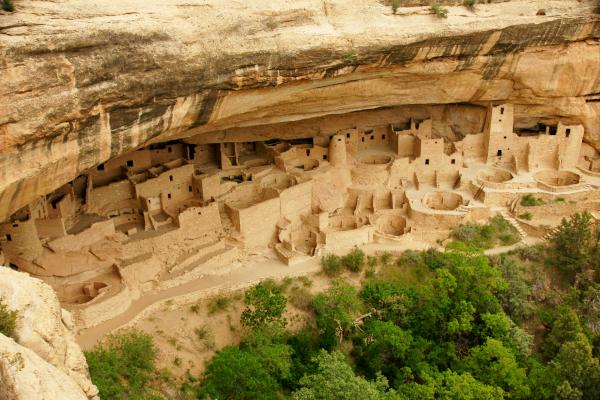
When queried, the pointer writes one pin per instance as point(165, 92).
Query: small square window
point(372, 137)
point(169, 149)
point(324, 156)
point(501, 110)
point(348, 135)
point(100, 167)
point(8, 237)
point(568, 132)
point(171, 177)
point(383, 137)
point(130, 163)
point(363, 139)
point(427, 161)
point(169, 195)
point(499, 153)
point(190, 189)
point(308, 152)
point(453, 161)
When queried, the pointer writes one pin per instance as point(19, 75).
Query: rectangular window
point(100, 167)
point(308, 152)
point(190, 189)
point(130, 163)
point(568, 131)
point(171, 177)
point(383, 137)
point(8, 237)
point(169, 149)
point(169, 195)
point(499, 153)
point(453, 161)
point(501, 110)
point(427, 161)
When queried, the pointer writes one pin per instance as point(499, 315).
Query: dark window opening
point(348, 135)
point(190, 189)
point(383, 137)
point(169, 195)
point(568, 132)
point(363, 139)
point(372, 137)
point(171, 177)
point(169, 149)
point(130, 163)
point(504, 137)
point(427, 161)
point(552, 130)
point(324, 156)
point(13, 266)
point(453, 161)
point(100, 167)
point(308, 152)
point(339, 139)
point(8, 237)
point(501, 110)
point(15, 225)
point(499, 153)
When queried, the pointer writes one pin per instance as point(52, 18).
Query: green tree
point(577, 370)
point(573, 244)
point(124, 366)
point(235, 374)
point(354, 260)
point(495, 365)
point(265, 304)
point(8, 319)
point(335, 311)
point(565, 328)
point(335, 380)
point(267, 345)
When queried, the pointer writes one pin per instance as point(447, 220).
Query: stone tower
point(337, 150)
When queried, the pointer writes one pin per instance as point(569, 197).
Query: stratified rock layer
point(45, 346)
point(83, 82)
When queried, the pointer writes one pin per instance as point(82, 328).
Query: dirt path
point(257, 268)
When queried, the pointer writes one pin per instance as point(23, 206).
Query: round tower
point(337, 150)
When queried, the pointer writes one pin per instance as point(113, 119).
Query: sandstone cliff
point(44, 361)
point(83, 81)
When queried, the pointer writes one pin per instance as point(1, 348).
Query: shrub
point(530, 201)
point(469, 3)
point(386, 257)
point(559, 199)
point(7, 5)
point(195, 308)
point(395, 5)
point(300, 297)
point(488, 235)
point(354, 260)
point(526, 216)
point(124, 366)
point(8, 319)
point(331, 264)
point(219, 304)
point(439, 11)
point(206, 337)
point(264, 304)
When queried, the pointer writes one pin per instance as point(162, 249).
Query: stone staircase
point(513, 222)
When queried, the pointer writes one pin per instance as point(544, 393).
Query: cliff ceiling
point(81, 81)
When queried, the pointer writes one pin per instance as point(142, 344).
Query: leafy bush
point(124, 366)
point(331, 264)
point(354, 260)
point(574, 244)
point(497, 231)
point(7, 5)
point(526, 216)
point(395, 5)
point(469, 3)
point(531, 201)
point(8, 319)
point(265, 304)
point(439, 11)
point(300, 297)
point(219, 304)
point(206, 337)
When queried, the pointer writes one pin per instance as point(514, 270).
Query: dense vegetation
point(426, 325)
point(7, 5)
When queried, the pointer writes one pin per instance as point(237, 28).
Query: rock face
point(81, 83)
point(45, 354)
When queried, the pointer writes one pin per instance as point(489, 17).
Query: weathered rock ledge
point(43, 361)
point(82, 82)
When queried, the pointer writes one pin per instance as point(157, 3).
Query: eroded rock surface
point(45, 358)
point(82, 82)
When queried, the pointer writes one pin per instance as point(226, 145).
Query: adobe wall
point(258, 223)
point(96, 232)
point(296, 201)
point(167, 153)
point(200, 219)
point(335, 241)
point(50, 228)
point(106, 199)
point(20, 240)
point(175, 184)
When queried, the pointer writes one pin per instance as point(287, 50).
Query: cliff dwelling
point(170, 212)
